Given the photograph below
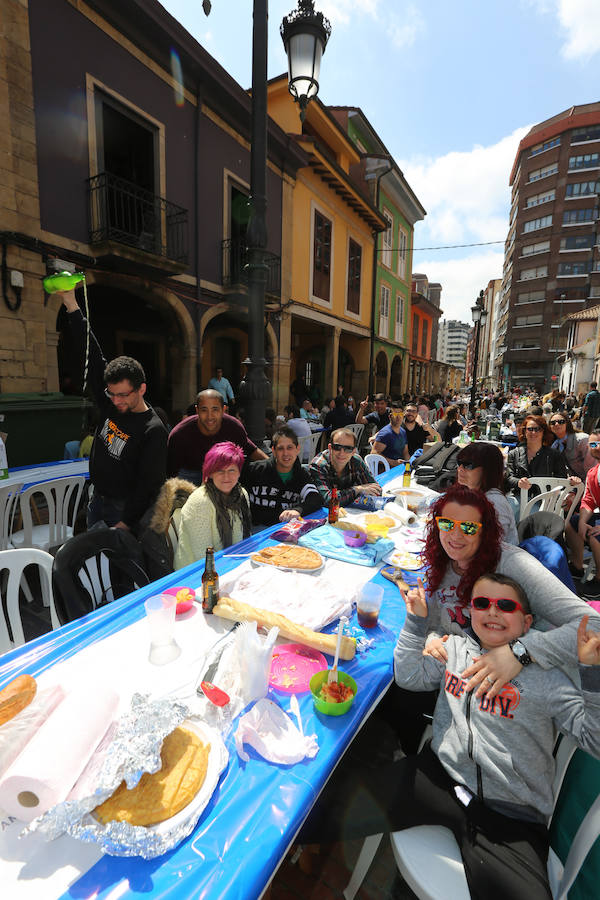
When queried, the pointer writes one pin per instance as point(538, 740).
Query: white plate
point(402, 559)
point(150, 841)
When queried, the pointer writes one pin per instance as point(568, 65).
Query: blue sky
point(450, 88)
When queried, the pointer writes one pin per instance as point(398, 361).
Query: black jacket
point(546, 462)
point(269, 496)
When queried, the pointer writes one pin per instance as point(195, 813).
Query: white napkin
point(272, 733)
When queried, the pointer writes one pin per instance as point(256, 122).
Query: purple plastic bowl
point(355, 538)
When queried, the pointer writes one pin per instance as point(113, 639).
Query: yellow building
point(328, 240)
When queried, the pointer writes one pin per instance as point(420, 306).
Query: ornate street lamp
point(304, 33)
point(479, 316)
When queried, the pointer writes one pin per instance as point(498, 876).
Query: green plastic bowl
point(331, 709)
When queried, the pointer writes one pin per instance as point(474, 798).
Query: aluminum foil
point(130, 747)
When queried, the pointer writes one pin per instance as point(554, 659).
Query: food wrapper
point(292, 530)
point(369, 503)
point(130, 747)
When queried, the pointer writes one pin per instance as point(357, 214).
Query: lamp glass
point(476, 313)
point(304, 63)
point(484, 315)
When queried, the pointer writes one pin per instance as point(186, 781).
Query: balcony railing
point(234, 259)
point(127, 214)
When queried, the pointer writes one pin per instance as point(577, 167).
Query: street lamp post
point(479, 315)
point(305, 34)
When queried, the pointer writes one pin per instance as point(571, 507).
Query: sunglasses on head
point(446, 524)
point(533, 428)
point(504, 604)
point(343, 448)
point(469, 466)
point(558, 422)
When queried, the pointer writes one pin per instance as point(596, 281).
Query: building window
point(388, 240)
point(576, 216)
point(521, 321)
point(536, 224)
point(544, 172)
point(587, 133)
point(415, 333)
point(424, 337)
point(322, 257)
point(547, 145)
point(587, 161)
point(537, 199)
point(384, 311)
point(354, 266)
point(582, 188)
point(402, 252)
point(577, 242)
point(532, 249)
point(574, 268)
point(530, 297)
point(526, 345)
point(399, 335)
point(537, 272)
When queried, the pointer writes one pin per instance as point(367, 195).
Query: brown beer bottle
point(210, 583)
point(334, 507)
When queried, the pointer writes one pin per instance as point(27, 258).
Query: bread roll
point(16, 696)
point(236, 611)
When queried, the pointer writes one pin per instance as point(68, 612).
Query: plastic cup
point(160, 613)
point(369, 604)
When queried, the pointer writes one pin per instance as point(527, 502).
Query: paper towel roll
point(404, 515)
point(50, 764)
point(16, 733)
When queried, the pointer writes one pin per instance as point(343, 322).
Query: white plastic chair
point(374, 461)
point(15, 562)
point(357, 431)
point(9, 498)
point(62, 497)
point(429, 859)
point(308, 446)
point(554, 492)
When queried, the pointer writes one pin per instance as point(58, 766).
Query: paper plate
point(403, 560)
point(293, 666)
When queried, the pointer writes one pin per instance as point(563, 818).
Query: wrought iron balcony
point(123, 213)
point(234, 258)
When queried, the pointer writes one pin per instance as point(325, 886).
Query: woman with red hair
point(217, 514)
point(463, 542)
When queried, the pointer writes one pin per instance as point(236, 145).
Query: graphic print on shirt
point(503, 704)
point(264, 495)
point(452, 605)
point(114, 439)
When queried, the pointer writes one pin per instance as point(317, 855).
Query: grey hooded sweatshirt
point(500, 749)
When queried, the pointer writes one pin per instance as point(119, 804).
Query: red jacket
point(591, 495)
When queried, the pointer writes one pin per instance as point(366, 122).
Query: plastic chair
point(374, 461)
point(62, 497)
point(308, 446)
point(15, 562)
point(9, 498)
point(357, 431)
point(429, 859)
point(554, 491)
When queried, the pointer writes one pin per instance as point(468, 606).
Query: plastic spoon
point(333, 675)
point(214, 694)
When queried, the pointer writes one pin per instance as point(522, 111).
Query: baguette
point(16, 696)
point(236, 611)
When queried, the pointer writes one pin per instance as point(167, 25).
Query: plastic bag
point(272, 733)
point(292, 530)
point(255, 654)
point(369, 503)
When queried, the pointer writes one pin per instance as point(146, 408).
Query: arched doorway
point(381, 371)
point(396, 378)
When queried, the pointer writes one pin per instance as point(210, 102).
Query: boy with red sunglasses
point(489, 769)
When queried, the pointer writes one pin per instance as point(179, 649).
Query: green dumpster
point(39, 425)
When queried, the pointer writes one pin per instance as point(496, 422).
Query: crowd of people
point(499, 649)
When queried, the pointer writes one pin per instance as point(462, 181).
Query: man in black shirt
point(416, 430)
point(129, 452)
point(380, 417)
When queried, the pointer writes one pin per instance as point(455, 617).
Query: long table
point(257, 808)
point(28, 475)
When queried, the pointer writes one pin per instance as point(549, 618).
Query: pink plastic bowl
point(355, 538)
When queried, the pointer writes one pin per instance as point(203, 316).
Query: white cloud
point(404, 32)
point(462, 279)
point(581, 21)
point(466, 193)
point(342, 12)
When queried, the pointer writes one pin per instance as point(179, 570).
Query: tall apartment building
point(551, 255)
point(452, 342)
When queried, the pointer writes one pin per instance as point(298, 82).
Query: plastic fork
point(333, 673)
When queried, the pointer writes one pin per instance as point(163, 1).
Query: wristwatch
point(520, 652)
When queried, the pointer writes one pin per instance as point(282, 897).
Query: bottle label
point(210, 596)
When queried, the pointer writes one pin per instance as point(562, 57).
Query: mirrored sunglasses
point(446, 524)
point(593, 445)
point(343, 448)
point(504, 604)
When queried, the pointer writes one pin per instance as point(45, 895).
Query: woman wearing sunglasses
point(534, 457)
point(464, 542)
point(572, 444)
point(481, 468)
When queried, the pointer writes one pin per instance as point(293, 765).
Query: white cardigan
point(198, 528)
